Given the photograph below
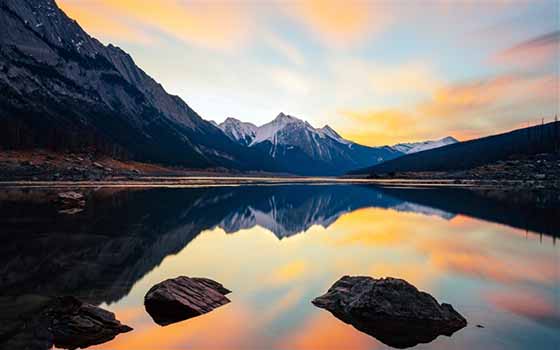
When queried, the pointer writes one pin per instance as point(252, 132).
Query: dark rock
point(79, 325)
point(64, 322)
point(479, 326)
point(181, 298)
point(391, 310)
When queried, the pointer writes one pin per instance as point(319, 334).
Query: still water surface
point(277, 248)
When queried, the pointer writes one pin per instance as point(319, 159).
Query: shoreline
point(236, 180)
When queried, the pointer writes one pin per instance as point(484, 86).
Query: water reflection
point(127, 240)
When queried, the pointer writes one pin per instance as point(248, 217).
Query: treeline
point(544, 138)
point(16, 135)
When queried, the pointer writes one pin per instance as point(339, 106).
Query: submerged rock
point(64, 322)
point(181, 298)
point(391, 310)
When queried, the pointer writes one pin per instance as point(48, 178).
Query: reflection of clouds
point(470, 258)
point(473, 253)
point(288, 273)
point(281, 306)
point(531, 305)
point(230, 323)
point(323, 331)
point(272, 280)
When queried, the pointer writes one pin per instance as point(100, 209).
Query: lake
point(277, 247)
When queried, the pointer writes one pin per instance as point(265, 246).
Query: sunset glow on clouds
point(380, 72)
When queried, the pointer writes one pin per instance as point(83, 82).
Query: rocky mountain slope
point(63, 89)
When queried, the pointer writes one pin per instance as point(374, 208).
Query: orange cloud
point(380, 127)
point(108, 26)
point(215, 25)
point(341, 23)
point(464, 110)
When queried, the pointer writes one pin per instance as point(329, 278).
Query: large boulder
point(181, 298)
point(391, 310)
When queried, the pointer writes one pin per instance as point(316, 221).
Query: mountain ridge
point(301, 148)
point(290, 140)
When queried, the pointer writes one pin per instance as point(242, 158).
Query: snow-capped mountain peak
point(414, 147)
point(285, 118)
point(239, 131)
point(279, 130)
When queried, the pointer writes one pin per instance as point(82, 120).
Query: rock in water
point(391, 310)
point(181, 298)
point(79, 325)
point(64, 322)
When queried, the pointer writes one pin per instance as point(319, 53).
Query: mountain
point(414, 147)
point(241, 132)
point(298, 147)
point(469, 154)
point(63, 89)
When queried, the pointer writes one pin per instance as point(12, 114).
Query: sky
point(379, 72)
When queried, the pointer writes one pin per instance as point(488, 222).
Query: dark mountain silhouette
point(470, 154)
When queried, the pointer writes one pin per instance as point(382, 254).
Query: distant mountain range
point(64, 90)
point(299, 147)
point(469, 154)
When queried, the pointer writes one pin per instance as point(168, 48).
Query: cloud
point(537, 51)
point(214, 25)
point(285, 49)
point(109, 26)
point(339, 23)
point(464, 110)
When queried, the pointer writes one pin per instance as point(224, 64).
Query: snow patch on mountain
point(414, 147)
point(239, 131)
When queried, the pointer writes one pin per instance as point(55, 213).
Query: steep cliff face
point(61, 88)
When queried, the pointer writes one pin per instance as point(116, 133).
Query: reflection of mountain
point(98, 254)
point(288, 210)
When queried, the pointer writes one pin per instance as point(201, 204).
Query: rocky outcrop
point(391, 310)
point(181, 298)
point(64, 322)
